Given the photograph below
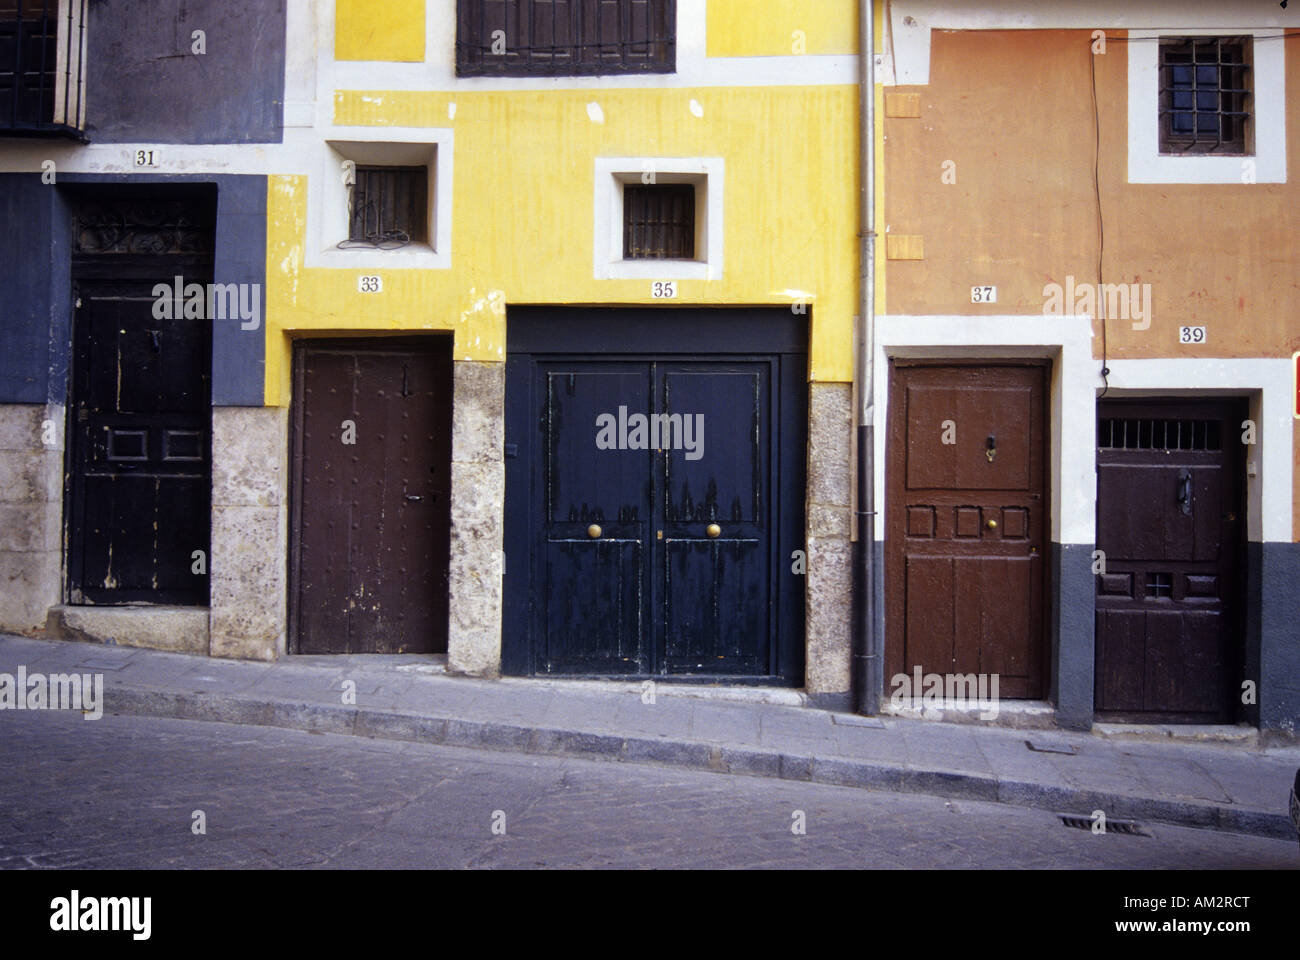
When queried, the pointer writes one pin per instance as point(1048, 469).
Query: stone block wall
point(829, 591)
point(250, 521)
point(477, 518)
point(31, 514)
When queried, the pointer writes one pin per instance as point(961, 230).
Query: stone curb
point(748, 761)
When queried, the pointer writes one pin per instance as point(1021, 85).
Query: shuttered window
point(659, 222)
point(389, 206)
point(516, 38)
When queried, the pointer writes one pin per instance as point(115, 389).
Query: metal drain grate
point(1128, 827)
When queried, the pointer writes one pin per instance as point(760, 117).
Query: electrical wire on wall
point(1101, 220)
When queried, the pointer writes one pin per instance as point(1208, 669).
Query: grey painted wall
point(1279, 631)
point(35, 293)
point(1073, 640)
point(144, 83)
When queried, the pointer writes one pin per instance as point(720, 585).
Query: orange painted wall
point(1013, 110)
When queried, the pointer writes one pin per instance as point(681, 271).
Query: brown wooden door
point(1169, 523)
point(371, 504)
point(966, 522)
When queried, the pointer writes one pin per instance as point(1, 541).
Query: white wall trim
point(611, 173)
point(1145, 163)
point(327, 196)
point(909, 42)
point(1067, 340)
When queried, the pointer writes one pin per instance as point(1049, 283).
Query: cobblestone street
point(122, 792)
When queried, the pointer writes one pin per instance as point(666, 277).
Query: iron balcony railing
point(42, 68)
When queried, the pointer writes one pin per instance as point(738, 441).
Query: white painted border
point(1267, 382)
point(1067, 341)
point(909, 43)
point(327, 197)
point(1075, 386)
point(611, 173)
point(1147, 165)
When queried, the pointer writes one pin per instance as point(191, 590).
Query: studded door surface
point(371, 512)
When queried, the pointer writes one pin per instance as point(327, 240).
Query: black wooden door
point(371, 507)
point(650, 501)
point(1170, 521)
point(140, 450)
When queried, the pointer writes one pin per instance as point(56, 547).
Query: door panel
point(1169, 522)
point(372, 450)
point(966, 523)
point(717, 588)
point(140, 452)
point(694, 511)
point(595, 621)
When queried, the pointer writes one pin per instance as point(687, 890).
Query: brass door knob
point(593, 531)
point(992, 524)
point(713, 530)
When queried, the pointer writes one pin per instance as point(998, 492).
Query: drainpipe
point(867, 676)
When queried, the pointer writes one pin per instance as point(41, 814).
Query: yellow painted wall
point(389, 30)
point(522, 209)
point(775, 28)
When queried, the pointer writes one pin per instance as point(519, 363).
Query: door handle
point(713, 530)
point(991, 447)
point(1185, 492)
point(414, 498)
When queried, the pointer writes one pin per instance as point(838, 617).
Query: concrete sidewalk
point(762, 733)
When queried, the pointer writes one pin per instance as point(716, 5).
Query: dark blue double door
point(654, 498)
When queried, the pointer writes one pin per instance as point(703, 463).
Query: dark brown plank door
point(1169, 521)
point(371, 517)
point(966, 523)
point(140, 463)
point(718, 520)
point(596, 533)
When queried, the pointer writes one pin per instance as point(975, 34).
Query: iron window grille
point(1142, 434)
point(388, 207)
point(659, 222)
point(1205, 95)
point(518, 38)
point(42, 44)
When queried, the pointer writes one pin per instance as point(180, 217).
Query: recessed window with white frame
point(382, 203)
point(658, 218)
point(1206, 106)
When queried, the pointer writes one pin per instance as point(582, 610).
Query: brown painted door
point(1169, 523)
point(371, 509)
point(966, 522)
